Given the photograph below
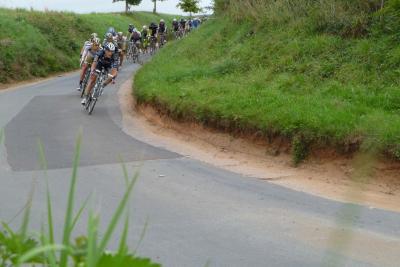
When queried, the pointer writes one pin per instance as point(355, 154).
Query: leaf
point(38, 251)
point(70, 206)
point(108, 260)
point(114, 220)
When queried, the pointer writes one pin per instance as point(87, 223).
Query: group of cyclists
point(107, 56)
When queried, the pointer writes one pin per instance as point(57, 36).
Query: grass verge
point(36, 44)
point(316, 88)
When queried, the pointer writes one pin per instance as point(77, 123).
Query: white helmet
point(96, 41)
point(110, 47)
point(144, 27)
point(162, 20)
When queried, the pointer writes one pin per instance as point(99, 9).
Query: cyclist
point(153, 32)
point(106, 59)
point(112, 31)
point(153, 29)
point(182, 23)
point(131, 28)
point(196, 23)
point(121, 42)
point(189, 25)
point(145, 38)
point(162, 31)
point(109, 39)
point(175, 26)
point(136, 36)
point(86, 46)
point(95, 46)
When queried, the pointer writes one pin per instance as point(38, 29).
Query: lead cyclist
point(107, 59)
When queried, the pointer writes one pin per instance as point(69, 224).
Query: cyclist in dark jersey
point(175, 25)
point(153, 29)
point(106, 59)
point(131, 28)
point(162, 32)
point(183, 23)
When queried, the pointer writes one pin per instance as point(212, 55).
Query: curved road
point(196, 213)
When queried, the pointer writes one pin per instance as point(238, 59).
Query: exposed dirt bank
point(332, 178)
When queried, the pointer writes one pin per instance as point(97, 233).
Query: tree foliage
point(129, 3)
point(189, 6)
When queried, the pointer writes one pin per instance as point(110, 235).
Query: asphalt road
point(196, 213)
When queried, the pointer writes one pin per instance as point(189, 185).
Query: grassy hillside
point(319, 73)
point(35, 44)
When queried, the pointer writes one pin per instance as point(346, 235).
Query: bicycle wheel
point(88, 101)
point(85, 82)
point(93, 99)
point(92, 105)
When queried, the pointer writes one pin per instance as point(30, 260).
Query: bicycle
point(133, 52)
point(153, 45)
point(162, 39)
point(180, 33)
point(97, 91)
point(85, 80)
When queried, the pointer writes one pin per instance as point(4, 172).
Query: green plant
point(283, 77)
point(22, 247)
point(300, 149)
point(36, 44)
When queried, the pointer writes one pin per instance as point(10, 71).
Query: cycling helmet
point(112, 31)
point(109, 36)
point(120, 34)
point(110, 47)
point(162, 21)
point(144, 27)
point(174, 20)
point(96, 41)
point(93, 36)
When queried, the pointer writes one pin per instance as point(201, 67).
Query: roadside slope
point(312, 78)
point(37, 44)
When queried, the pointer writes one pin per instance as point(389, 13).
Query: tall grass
point(289, 80)
point(36, 44)
point(347, 18)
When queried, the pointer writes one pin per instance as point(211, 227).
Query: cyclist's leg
point(121, 58)
point(88, 60)
point(82, 76)
point(92, 81)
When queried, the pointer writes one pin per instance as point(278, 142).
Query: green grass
point(315, 88)
point(36, 44)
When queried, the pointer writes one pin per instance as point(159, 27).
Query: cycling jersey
point(162, 28)
point(153, 30)
point(106, 62)
point(175, 25)
point(136, 36)
point(121, 42)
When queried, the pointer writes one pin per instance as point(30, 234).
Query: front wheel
point(92, 104)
